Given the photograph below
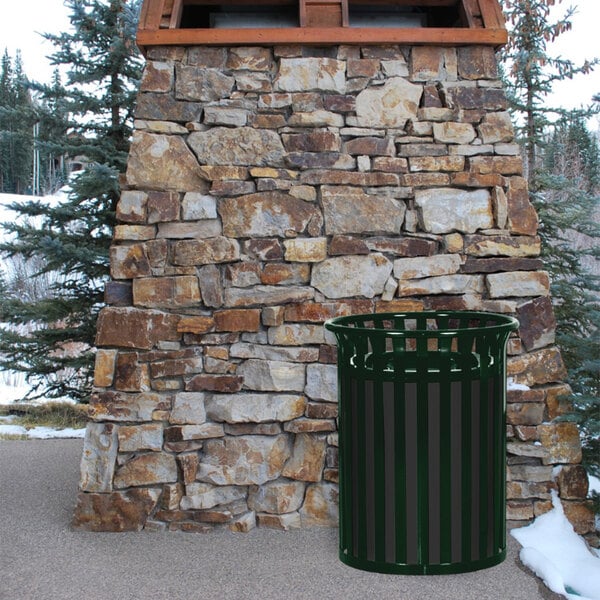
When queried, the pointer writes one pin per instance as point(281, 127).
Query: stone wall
point(269, 189)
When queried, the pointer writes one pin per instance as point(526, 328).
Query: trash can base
point(423, 569)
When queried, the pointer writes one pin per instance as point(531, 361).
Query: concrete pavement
point(42, 559)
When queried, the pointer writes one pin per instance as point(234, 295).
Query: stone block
point(120, 406)
point(162, 207)
point(285, 274)
point(134, 438)
point(244, 460)
point(262, 295)
point(131, 207)
point(453, 133)
point(518, 283)
point(537, 323)
point(127, 262)
point(146, 469)
point(316, 118)
point(157, 77)
point(505, 165)
point(572, 482)
point(133, 233)
point(318, 312)
point(211, 288)
point(581, 516)
point(104, 369)
point(433, 63)
point(496, 127)
point(131, 376)
point(214, 383)
point(310, 425)
point(372, 105)
point(305, 74)
point(307, 458)
point(237, 320)
point(186, 433)
point(530, 413)
point(117, 511)
point(402, 246)
point(293, 334)
point(195, 324)
point(276, 376)
point(264, 249)
point(196, 206)
point(244, 523)
point(314, 141)
point(477, 62)
point(476, 98)
point(282, 522)
point(562, 442)
point(443, 210)
point(370, 146)
point(277, 353)
point(347, 276)
point(320, 507)
point(202, 84)
point(207, 57)
point(558, 400)
point(537, 368)
point(437, 163)
point(444, 284)
point(241, 146)
point(266, 214)
point(522, 217)
point(345, 244)
point(188, 408)
point(173, 166)
point(99, 456)
point(277, 497)
point(390, 165)
point(320, 160)
point(502, 245)
point(202, 496)
point(135, 328)
point(254, 408)
point(417, 268)
point(166, 292)
point(306, 249)
point(272, 316)
point(205, 252)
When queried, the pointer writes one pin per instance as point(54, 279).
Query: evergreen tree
point(55, 334)
point(17, 117)
point(562, 169)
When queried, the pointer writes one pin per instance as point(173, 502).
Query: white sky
point(23, 20)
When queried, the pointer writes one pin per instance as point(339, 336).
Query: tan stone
point(505, 165)
point(162, 162)
point(133, 438)
point(433, 63)
point(437, 163)
point(348, 210)
point(347, 276)
point(558, 400)
point(117, 511)
point(244, 523)
point(522, 218)
point(519, 510)
point(292, 334)
point(244, 460)
point(285, 274)
point(562, 442)
point(267, 294)
point(205, 252)
point(221, 173)
point(306, 249)
point(390, 105)
point(581, 516)
point(477, 62)
point(166, 292)
point(518, 283)
point(530, 413)
point(185, 433)
point(318, 312)
point(269, 352)
point(501, 245)
point(537, 323)
point(276, 376)
point(305, 74)
point(453, 133)
point(443, 210)
point(188, 408)
point(277, 497)
point(540, 367)
point(133, 233)
point(131, 207)
point(127, 262)
point(202, 496)
point(131, 376)
point(147, 469)
point(573, 482)
point(158, 77)
point(307, 458)
point(444, 284)
point(201, 83)
point(496, 127)
point(120, 406)
point(283, 522)
point(254, 408)
point(104, 369)
point(431, 266)
point(316, 118)
point(310, 425)
point(195, 324)
point(320, 507)
point(242, 146)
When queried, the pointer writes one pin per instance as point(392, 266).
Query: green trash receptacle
point(422, 440)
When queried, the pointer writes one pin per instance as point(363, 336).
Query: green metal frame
point(422, 440)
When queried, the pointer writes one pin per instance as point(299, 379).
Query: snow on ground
point(38, 433)
point(558, 556)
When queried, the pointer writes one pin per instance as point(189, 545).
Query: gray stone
point(322, 382)
point(254, 408)
point(430, 266)
point(347, 276)
point(446, 284)
point(100, 449)
point(133, 438)
point(197, 206)
point(518, 283)
point(282, 353)
point(188, 408)
point(296, 334)
point(242, 146)
point(199, 83)
point(200, 496)
point(320, 507)
point(277, 497)
point(244, 460)
point(308, 458)
point(262, 295)
point(443, 210)
point(349, 210)
point(276, 376)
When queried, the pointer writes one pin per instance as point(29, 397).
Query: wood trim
point(176, 14)
point(320, 36)
point(491, 14)
point(154, 14)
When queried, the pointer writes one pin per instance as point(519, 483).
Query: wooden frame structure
point(323, 22)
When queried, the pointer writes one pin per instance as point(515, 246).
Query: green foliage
point(563, 168)
point(50, 338)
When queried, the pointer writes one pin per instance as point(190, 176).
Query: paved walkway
point(42, 559)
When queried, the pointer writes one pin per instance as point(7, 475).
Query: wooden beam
point(154, 14)
point(491, 13)
point(319, 36)
point(176, 14)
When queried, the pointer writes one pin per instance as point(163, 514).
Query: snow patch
point(512, 386)
point(594, 484)
point(41, 433)
point(558, 556)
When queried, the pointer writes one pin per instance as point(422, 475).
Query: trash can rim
point(345, 324)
